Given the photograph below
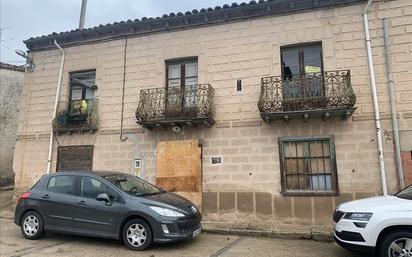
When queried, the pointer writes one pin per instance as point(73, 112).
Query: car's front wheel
point(137, 235)
point(396, 244)
point(32, 225)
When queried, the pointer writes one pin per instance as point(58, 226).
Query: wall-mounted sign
point(137, 167)
point(217, 160)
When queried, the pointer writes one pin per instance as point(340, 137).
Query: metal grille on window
point(308, 165)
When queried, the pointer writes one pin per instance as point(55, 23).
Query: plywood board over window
point(179, 168)
point(75, 158)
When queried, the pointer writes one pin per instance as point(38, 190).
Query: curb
point(313, 235)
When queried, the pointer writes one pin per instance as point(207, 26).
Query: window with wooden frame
point(308, 166)
point(82, 90)
point(181, 83)
point(300, 65)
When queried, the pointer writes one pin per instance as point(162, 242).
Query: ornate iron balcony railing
point(175, 106)
point(320, 94)
point(76, 116)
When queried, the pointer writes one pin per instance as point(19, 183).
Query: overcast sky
point(22, 19)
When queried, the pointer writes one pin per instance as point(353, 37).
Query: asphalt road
point(12, 244)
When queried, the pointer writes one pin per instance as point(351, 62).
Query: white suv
point(379, 225)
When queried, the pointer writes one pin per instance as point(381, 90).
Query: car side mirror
point(104, 197)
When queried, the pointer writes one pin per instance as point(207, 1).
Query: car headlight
point(358, 216)
point(167, 212)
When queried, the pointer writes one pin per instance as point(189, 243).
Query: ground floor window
point(308, 165)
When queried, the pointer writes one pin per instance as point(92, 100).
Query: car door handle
point(45, 196)
point(82, 202)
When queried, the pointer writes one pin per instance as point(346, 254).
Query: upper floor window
point(308, 165)
point(181, 84)
point(302, 69)
point(82, 90)
point(181, 73)
point(302, 60)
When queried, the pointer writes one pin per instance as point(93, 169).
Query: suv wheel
point(396, 244)
point(32, 225)
point(137, 235)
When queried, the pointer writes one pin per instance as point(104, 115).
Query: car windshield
point(405, 193)
point(133, 185)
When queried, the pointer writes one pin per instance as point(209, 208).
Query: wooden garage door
point(179, 167)
point(77, 157)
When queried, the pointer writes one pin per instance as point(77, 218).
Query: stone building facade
point(11, 84)
point(243, 159)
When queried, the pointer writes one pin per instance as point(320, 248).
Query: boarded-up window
point(308, 165)
point(75, 158)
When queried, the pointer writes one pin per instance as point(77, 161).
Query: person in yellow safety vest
point(83, 106)
point(312, 69)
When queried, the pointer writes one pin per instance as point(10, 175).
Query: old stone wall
point(247, 183)
point(11, 83)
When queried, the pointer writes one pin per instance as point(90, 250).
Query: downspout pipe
point(375, 99)
point(388, 56)
point(56, 102)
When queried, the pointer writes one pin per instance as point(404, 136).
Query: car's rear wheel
point(396, 244)
point(137, 235)
point(32, 225)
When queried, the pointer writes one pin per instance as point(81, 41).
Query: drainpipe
point(56, 102)
point(375, 98)
point(392, 103)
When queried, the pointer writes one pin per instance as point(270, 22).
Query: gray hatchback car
point(106, 204)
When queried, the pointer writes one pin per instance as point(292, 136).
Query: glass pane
point(291, 166)
point(292, 89)
point(76, 92)
point(290, 149)
point(61, 184)
point(174, 71)
point(290, 63)
point(322, 182)
point(174, 83)
point(292, 182)
point(328, 166)
point(304, 183)
point(299, 149)
point(312, 59)
point(89, 93)
point(317, 165)
point(191, 81)
point(190, 95)
point(326, 150)
point(191, 69)
point(316, 149)
point(174, 98)
point(91, 187)
point(301, 168)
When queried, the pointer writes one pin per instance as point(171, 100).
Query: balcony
point(322, 95)
point(76, 116)
point(161, 107)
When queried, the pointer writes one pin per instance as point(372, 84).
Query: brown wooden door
point(179, 169)
point(76, 157)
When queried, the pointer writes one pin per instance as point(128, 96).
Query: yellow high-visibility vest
point(83, 106)
point(312, 69)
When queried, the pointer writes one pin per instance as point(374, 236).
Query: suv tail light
point(25, 196)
